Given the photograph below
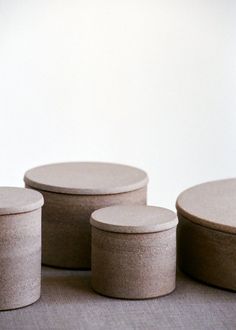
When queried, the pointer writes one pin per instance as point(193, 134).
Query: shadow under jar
point(133, 251)
point(206, 236)
point(20, 247)
point(72, 191)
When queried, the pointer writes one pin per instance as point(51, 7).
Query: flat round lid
point(19, 200)
point(211, 204)
point(86, 178)
point(133, 219)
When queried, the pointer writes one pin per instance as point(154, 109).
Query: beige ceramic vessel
point(20, 247)
point(133, 251)
point(72, 191)
point(207, 232)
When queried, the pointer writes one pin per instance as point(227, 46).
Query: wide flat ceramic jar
point(72, 191)
point(133, 251)
point(20, 247)
point(207, 232)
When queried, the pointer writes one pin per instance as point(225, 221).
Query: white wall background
point(151, 83)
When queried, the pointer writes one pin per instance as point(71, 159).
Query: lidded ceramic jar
point(207, 232)
point(133, 251)
point(72, 191)
point(20, 247)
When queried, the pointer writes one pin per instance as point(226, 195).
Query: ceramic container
point(207, 232)
point(20, 247)
point(133, 251)
point(72, 191)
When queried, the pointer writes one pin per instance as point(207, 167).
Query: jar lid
point(86, 178)
point(19, 200)
point(211, 204)
point(133, 219)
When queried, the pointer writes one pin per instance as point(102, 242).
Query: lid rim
point(132, 230)
point(206, 223)
point(75, 191)
point(129, 187)
point(143, 228)
point(216, 222)
point(26, 207)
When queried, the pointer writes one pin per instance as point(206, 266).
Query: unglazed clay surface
point(19, 200)
point(133, 266)
point(66, 227)
point(207, 254)
point(20, 259)
point(210, 204)
point(86, 178)
point(133, 219)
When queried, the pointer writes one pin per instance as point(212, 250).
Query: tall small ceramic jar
point(72, 191)
point(133, 251)
point(207, 232)
point(20, 247)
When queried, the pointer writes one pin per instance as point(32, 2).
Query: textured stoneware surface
point(207, 254)
point(17, 200)
point(210, 204)
point(66, 232)
point(207, 232)
point(134, 265)
point(133, 219)
point(72, 191)
point(86, 178)
point(20, 248)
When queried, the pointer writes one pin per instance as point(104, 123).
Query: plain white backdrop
point(146, 83)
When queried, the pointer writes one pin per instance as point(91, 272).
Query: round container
point(207, 232)
point(72, 191)
point(20, 247)
point(133, 251)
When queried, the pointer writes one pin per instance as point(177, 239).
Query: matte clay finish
point(86, 178)
point(66, 230)
point(133, 219)
point(210, 204)
point(133, 265)
point(20, 250)
point(207, 254)
point(17, 200)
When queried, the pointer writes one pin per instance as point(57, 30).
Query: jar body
point(20, 259)
point(66, 228)
point(207, 254)
point(133, 266)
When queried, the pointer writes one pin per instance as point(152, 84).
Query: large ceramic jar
point(72, 191)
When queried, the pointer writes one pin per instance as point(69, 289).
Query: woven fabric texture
point(69, 303)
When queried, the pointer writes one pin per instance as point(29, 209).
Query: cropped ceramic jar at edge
point(207, 232)
point(72, 191)
point(20, 247)
point(133, 251)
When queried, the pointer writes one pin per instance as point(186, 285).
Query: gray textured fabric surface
point(68, 303)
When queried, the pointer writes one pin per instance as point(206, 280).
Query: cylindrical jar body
point(20, 259)
point(133, 266)
point(207, 254)
point(66, 230)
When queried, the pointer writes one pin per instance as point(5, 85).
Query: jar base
point(135, 298)
point(6, 309)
